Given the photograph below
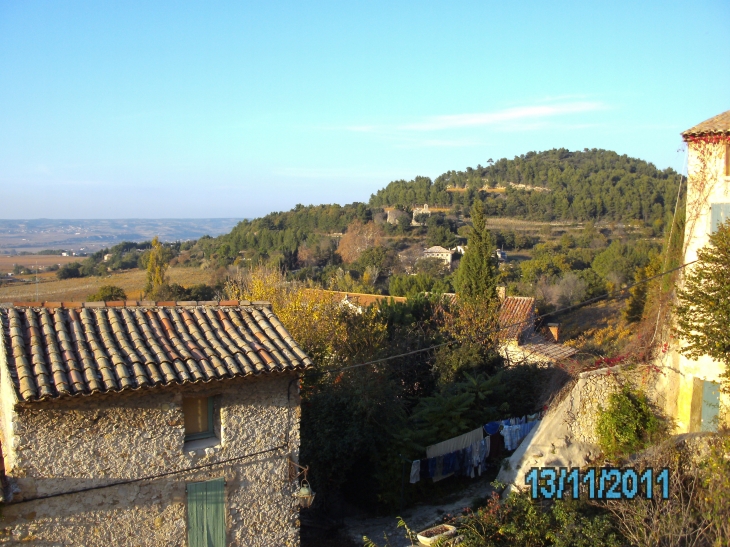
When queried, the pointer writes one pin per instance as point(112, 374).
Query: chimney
point(502, 292)
point(555, 331)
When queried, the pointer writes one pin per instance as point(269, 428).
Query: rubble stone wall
point(83, 443)
point(592, 390)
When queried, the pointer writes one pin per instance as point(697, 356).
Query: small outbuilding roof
point(58, 350)
point(516, 315)
point(717, 125)
point(437, 249)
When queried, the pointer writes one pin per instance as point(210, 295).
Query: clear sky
point(235, 109)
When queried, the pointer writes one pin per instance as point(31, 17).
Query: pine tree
point(476, 278)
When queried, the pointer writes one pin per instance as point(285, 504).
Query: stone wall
point(591, 392)
point(82, 443)
point(566, 435)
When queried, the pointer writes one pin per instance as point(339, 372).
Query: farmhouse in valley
point(143, 423)
point(440, 253)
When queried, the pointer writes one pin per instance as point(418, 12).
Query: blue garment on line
point(468, 462)
point(432, 467)
point(449, 463)
point(492, 428)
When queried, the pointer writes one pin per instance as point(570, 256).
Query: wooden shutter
point(710, 406)
point(206, 514)
point(719, 213)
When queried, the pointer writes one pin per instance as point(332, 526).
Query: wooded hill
point(573, 186)
point(559, 185)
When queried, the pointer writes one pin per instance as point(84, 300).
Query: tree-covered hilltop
point(558, 185)
point(592, 185)
point(285, 232)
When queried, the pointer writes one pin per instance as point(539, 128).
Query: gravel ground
point(418, 517)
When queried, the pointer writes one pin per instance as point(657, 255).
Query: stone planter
point(435, 533)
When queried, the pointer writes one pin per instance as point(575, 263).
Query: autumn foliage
point(359, 237)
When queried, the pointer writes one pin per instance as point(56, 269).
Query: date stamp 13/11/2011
point(599, 483)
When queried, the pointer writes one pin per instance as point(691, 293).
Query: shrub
point(629, 424)
point(699, 495)
point(520, 520)
point(69, 271)
point(107, 293)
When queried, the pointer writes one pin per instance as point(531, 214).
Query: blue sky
point(211, 109)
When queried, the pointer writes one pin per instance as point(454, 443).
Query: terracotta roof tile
point(716, 125)
point(74, 349)
point(516, 316)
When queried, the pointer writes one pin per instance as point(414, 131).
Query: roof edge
point(137, 303)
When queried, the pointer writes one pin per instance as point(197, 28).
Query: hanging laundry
point(476, 461)
point(432, 464)
point(439, 472)
point(492, 428)
point(424, 469)
point(415, 471)
point(454, 444)
point(448, 463)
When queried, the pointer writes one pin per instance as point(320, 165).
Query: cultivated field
point(29, 261)
point(50, 289)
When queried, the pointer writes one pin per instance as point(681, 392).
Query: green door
point(206, 514)
point(710, 406)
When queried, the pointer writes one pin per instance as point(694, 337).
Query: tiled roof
point(516, 315)
point(60, 350)
point(361, 299)
point(550, 351)
point(716, 125)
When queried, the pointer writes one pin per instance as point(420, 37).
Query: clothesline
point(466, 454)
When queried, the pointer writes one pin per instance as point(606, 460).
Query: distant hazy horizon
point(90, 235)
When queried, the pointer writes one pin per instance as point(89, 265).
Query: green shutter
point(206, 514)
point(719, 213)
point(710, 406)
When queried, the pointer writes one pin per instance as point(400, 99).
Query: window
point(199, 418)
point(206, 514)
point(727, 160)
point(719, 213)
point(704, 414)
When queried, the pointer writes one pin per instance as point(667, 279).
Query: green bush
point(629, 424)
point(520, 520)
point(69, 271)
point(107, 293)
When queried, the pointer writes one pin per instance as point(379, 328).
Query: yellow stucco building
point(695, 401)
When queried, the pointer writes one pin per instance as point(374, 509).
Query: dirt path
point(418, 517)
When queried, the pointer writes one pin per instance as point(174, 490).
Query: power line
point(282, 446)
point(150, 477)
point(505, 327)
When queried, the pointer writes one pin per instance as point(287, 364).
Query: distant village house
point(440, 253)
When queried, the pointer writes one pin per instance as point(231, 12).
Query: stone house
point(148, 424)
point(418, 211)
point(395, 215)
point(694, 397)
point(440, 253)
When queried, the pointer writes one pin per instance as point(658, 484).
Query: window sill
point(200, 444)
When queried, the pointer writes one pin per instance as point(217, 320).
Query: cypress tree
point(476, 277)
